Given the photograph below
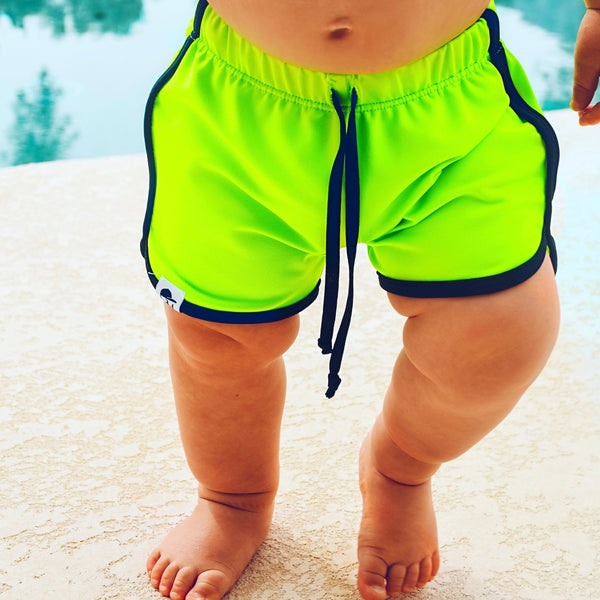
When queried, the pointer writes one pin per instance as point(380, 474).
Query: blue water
point(75, 74)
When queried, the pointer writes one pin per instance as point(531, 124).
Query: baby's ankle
point(392, 461)
point(257, 502)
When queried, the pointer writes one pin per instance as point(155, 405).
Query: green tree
point(38, 134)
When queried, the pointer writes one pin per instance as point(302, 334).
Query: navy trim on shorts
point(188, 308)
point(460, 288)
point(158, 86)
point(242, 318)
point(249, 318)
point(202, 6)
point(529, 114)
point(502, 281)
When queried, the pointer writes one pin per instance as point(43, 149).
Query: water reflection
point(104, 16)
point(561, 17)
point(38, 132)
point(544, 43)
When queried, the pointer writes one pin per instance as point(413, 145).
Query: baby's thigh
point(208, 344)
point(493, 342)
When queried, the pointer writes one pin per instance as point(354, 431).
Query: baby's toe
point(210, 585)
point(411, 578)
point(167, 579)
point(182, 583)
point(152, 560)
point(395, 581)
point(157, 571)
point(426, 573)
point(372, 571)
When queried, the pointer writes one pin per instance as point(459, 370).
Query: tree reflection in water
point(81, 16)
point(38, 133)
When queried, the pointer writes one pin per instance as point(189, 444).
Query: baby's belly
point(349, 36)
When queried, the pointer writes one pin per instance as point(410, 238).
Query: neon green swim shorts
point(260, 171)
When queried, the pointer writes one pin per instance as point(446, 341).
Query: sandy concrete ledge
point(91, 466)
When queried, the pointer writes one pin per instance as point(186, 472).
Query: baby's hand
point(587, 68)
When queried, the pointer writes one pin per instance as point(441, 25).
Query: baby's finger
point(584, 88)
point(587, 61)
point(590, 115)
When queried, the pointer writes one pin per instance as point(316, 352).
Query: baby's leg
point(465, 364)
point(229, 386)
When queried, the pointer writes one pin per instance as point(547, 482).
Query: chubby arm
point(587, 65)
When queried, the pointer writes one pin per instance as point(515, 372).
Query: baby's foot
point(203, 557)
point(397, 542)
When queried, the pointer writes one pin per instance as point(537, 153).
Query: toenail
point(378, 590)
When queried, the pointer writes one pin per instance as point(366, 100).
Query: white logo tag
point(170, 294)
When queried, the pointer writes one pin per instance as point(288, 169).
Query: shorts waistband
point(441, 66)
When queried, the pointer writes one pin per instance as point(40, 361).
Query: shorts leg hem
point(247, 318)
point(477, 286)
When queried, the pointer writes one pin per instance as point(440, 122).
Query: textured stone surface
point(91, 465)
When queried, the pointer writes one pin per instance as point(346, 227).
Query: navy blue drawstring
point(344, 171)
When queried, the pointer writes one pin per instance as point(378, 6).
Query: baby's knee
point(230, 346)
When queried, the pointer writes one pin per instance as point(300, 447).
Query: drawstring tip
point(334, 383)
point(325, 346)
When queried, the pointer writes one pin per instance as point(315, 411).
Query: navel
point(339, 28)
